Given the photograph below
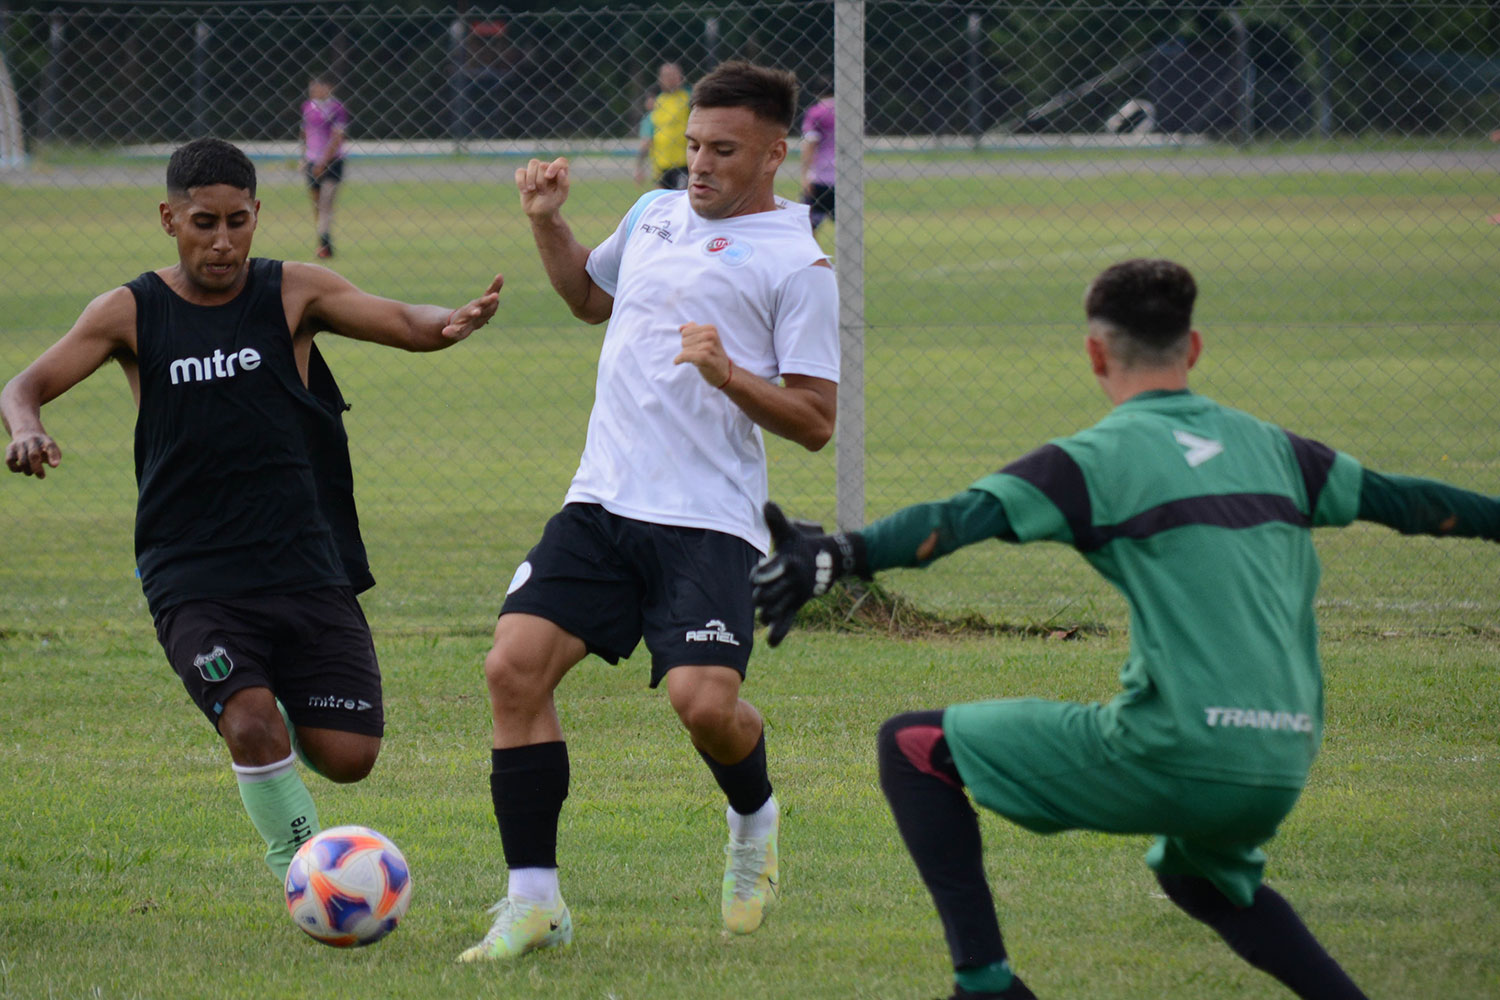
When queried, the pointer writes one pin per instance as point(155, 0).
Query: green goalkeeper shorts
point(1045, 766)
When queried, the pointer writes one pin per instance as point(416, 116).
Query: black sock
point(1268, 934)
point(528, 785)
point(1017, 990)
point(941, 831)
point(747, 784)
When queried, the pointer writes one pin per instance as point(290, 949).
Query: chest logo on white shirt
point(1199, 449)
point(661, 230)
point(726, 249)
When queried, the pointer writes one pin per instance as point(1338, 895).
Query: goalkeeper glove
point(800, 567)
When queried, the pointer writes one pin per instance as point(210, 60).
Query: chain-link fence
point(1325, 169)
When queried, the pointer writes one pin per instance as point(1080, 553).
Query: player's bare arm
point(318, 299)
point(544, 189)
point(105, 330)
point(801, 410)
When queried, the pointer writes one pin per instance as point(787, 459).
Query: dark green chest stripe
point(1057, 476)
point(1225, 510)
point(1314, 460)
point(1053, 471)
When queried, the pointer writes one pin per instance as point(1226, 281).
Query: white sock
point(534, 885)
point(757, 824)
point(252, 774)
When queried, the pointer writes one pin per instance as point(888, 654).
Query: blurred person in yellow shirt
point(664, 131)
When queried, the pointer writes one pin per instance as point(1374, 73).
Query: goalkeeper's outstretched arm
point(803, 566)
point(1416, 506)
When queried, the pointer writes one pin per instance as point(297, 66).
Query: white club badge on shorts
point(729, 250)
point(523, 573)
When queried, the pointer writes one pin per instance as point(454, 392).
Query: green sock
point(993, 978)
point(291, 734)
point(281, 809)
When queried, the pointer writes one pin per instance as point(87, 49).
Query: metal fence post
point(12, 138)
point(1324, 95)
point(1244, 79)
point(849, 253)
point(458, 93)
point(976, 98)
point(52, 81)
point(711, 41)
point(201, 34)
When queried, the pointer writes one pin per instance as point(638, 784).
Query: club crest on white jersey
point(731, 251)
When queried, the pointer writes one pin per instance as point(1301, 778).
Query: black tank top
point(244, 476)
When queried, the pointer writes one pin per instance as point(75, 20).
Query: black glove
point(800, 567)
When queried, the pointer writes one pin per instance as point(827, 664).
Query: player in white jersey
point(722, 318)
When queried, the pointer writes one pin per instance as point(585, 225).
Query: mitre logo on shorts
point(523, 573)
point(726, 249)
point(334, 701)
point(214, 665)
point(713, 630)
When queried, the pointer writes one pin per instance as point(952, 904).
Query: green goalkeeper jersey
point(1199, 514)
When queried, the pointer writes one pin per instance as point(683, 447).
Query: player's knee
point(255, 737)
point(1198, 897)
point(513, 679)
point(703, 711)
point(350, 764)
point(913, 742)
point(704, 718)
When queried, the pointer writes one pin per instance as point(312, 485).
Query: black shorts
point(611, 581)
point(673, 179)
point(333, 174)
point(819, 200)
point(313, 650)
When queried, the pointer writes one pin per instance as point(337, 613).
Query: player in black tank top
point(247, 541)
point(226, 425)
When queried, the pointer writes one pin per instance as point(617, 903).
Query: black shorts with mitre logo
point(613, 580)
point(313, 650)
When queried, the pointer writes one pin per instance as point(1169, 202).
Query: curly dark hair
point(1149, 302)
point(209, 161)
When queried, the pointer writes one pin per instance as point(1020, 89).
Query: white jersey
point(663, 445)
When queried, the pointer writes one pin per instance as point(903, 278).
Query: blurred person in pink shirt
point(817, 154)
point(324, 122)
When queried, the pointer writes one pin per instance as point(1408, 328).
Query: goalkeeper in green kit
point(1200, 515)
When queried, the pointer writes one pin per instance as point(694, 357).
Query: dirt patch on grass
point(867, 607)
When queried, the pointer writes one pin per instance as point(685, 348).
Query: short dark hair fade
point(209, 161)
point(1150, 302)
point(770, 94)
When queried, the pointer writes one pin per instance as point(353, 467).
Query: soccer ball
point(348, 886)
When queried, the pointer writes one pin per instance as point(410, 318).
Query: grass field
point(1356, 309)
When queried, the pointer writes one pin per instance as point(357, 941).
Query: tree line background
point(112, 73)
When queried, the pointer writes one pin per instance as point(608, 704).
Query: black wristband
point(849, 554)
